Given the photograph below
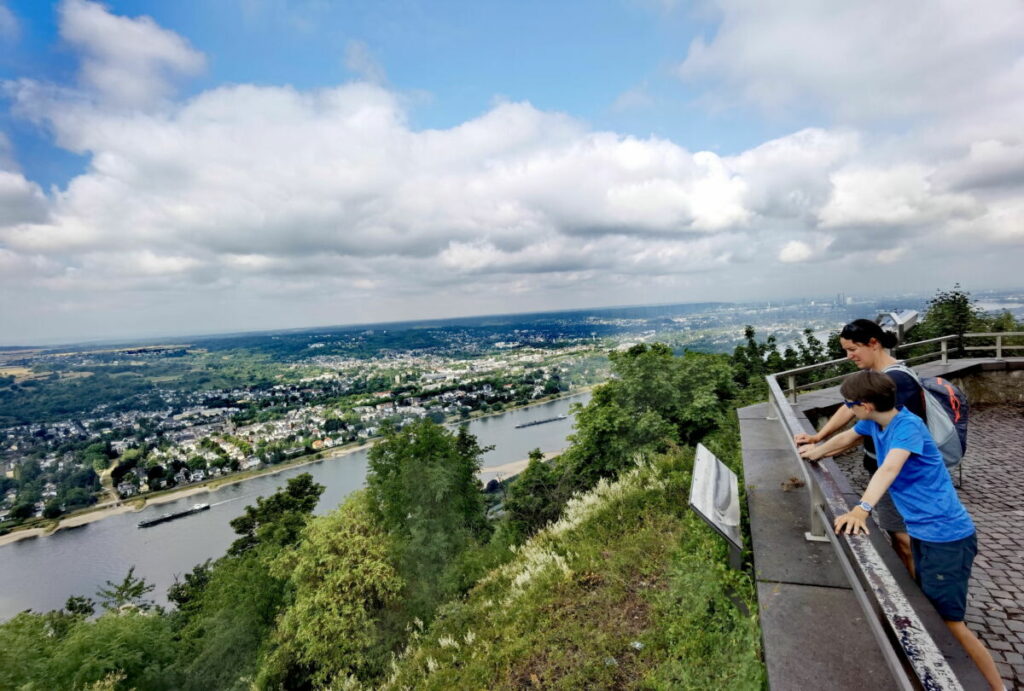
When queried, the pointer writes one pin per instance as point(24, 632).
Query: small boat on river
point(196, 508)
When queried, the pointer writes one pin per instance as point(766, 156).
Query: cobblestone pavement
point(993, 492)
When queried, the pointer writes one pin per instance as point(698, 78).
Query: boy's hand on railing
point(810, 452)
point(806, 438)
point(854, 522)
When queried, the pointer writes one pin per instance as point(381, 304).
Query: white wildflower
point(447, 642)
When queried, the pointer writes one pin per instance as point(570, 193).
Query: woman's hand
point(806, 438)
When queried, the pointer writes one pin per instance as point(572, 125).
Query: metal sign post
point(715, 496)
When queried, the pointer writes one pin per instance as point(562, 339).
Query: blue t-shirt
point(909, 396)
point(923, 491)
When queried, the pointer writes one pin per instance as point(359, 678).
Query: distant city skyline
point(191, 167)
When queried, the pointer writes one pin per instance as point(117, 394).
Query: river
point(41, 573)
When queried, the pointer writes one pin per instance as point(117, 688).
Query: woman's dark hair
point(863, 330)
point(872, 387)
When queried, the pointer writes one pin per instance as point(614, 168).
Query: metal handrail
point(910, 652)
point(792, 388)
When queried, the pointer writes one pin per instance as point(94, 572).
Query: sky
point(190, 167)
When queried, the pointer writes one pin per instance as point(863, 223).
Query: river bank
point(94, 514)
point(504, 470)
point(97, 513)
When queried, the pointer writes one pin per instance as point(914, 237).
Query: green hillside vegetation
point(628, 589)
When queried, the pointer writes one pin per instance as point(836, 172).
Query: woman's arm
point(841, 418)
point(837, 444)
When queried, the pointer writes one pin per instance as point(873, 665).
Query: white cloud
point(21, 201)
point(891, 255)
point(795, 251)
point(360, 61)
point(636, 98)
point(890, 198)
point(127, 62)
point(10, 29)
point(863, 61)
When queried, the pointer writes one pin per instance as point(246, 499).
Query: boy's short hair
point(868, 386)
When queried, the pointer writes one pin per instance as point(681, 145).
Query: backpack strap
point(901, 366)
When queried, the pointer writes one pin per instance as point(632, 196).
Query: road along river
point(41, 573)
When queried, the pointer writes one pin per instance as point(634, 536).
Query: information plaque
point(715, 496)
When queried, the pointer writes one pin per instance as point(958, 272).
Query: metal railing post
point(999, 347)
point(944, 347)
point(819, 528)
point(791, 384)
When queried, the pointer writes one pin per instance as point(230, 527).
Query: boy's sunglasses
point(850, 404)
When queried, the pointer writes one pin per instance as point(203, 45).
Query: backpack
point(946, 412)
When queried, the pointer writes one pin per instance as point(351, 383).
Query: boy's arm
point(855, 519)
point(840, 442)
point(839, 419)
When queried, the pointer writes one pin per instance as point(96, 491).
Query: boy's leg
point(943, 572)
point(888, 518)
point(977, 652)
point(901, 543)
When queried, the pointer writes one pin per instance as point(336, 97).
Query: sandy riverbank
point(506, 470)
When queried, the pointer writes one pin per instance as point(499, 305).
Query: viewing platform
point(842, 613)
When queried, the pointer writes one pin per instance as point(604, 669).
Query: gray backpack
point(946, 410)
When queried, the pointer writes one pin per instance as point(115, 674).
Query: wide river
point(41, 573)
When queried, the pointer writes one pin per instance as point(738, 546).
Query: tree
point(533, 498)
point(278, 518)
point(655, 400)
point(137, 646)
point(340, 578)
point(130, 592)
point(52, 509)
point(22, 510)
point(77, 497)
point(227, 610)
point(184, 593)
point(422, 486)
point(951, 312)
point(77, 605)
point(812, 350)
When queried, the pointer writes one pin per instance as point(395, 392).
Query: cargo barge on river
point(541, 422)
point(196, 508)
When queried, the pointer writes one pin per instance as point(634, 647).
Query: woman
point(867, 345)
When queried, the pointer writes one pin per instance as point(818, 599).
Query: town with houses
point(50, 468)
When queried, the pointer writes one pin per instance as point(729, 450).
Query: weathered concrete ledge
point(814, 631)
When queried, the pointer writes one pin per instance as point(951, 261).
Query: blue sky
point(172, 167)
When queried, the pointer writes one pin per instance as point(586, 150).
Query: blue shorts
point(943, 571)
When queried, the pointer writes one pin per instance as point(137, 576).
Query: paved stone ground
point(993, 491)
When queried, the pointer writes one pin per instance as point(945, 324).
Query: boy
point(943, 538)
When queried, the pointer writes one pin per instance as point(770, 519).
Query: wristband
point(866, 506)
